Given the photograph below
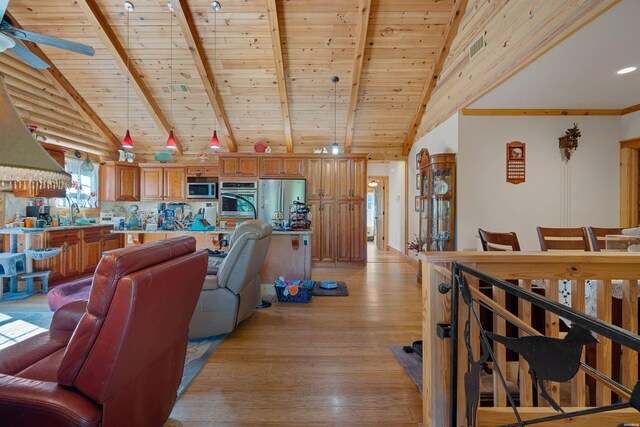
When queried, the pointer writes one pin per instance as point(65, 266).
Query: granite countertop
point(216, 231)
point(24, 230)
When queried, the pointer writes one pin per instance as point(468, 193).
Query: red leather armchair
point(117, 359)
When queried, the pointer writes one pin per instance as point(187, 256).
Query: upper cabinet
point(163, 183)
point(119, 182)
point(353, 178)
point(281, 167)
point(238, 166)
point(321, 178)
point(22, 189)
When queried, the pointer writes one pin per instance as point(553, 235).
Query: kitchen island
point(289, 252)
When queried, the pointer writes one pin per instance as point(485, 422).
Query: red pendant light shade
point(127, 142)
point(171, 142)
point(215, 142)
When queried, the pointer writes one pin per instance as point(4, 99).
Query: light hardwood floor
point(326, 363)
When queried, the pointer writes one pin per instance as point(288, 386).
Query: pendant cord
point(215, 46)
point(128, 65)
point(171, 59)
point(335, 113)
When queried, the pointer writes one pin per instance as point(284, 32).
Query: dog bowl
point(328, 284)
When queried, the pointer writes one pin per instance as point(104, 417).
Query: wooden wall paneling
point(60, 82)
point(121, 57)
point(533, 27)
point(190, 34)
point(443, 51)
point(361, 38)
point(272, 10)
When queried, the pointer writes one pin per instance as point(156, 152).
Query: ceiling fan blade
point(28, 57)
point(3, 8)
point(50, 41)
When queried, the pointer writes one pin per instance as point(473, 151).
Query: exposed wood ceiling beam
point(449, 34)
point(631, 109)
point(121, 57)
point(274, 27)
point(60, 82)
point(363, 24)
point(540, 112)
point(190, 33)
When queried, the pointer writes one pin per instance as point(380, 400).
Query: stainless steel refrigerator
point(276, 195)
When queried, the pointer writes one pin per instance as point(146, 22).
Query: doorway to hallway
point(377, 219)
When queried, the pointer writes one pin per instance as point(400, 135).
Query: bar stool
point(11, 264)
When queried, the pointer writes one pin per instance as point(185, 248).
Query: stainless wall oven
point(238, 199)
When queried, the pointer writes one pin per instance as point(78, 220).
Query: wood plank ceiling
point(384, 52)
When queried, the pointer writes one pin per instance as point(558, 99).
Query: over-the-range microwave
point(202, 190)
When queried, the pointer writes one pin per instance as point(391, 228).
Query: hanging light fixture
point(171, 141)
point(127, 142)
point(215, 142)
point(23, 159)
point(335, 149)
point(373, 183)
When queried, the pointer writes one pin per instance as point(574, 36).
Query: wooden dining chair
point(600, 242)
point(563, 239)
point(492, 241)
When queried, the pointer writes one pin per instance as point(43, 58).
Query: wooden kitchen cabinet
point(281, 167)
point(66, 264)
point(202, 171)
point(238, 166)
point(21, 189)
point(175, 184)
point(151, 183)
point(351, 219)
point(163, 183)
point(321, 178)
point(352, 180)
point(119, 182)
point(323, 240)
point(95, 241)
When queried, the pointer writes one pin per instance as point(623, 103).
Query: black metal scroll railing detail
point(551, 359)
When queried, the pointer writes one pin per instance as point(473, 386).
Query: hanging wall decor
point(516, 160)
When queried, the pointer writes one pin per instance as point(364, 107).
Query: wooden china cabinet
point(437, 202)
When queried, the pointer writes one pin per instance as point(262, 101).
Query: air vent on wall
point(477, 46)
point(179, 88)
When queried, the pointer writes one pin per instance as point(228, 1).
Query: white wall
point(443, 139)
point(377, 168)
point(397, 198)
point(486, 200)
point(630, 124)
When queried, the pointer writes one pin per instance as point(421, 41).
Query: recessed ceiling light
point(627, 70)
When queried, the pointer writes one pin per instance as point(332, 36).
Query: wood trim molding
point(60, 82)
point(361, 38)
point(631, 109)
point(191, 36)
point(450, 32)
point(630, 143)
point(539, 112)
point(411, 260)
point(274, 27)
point(121, 57)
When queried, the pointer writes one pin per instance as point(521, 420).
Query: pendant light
point(127, 142)
point(215, 142)
point(335, 149)
point(171, 141)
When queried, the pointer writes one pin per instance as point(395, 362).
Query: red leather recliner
point(116, 360)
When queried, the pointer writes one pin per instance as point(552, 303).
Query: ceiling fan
point(9, 34)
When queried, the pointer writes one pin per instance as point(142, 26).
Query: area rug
point(18, 325)
point(340, 291)
point(411, 362)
